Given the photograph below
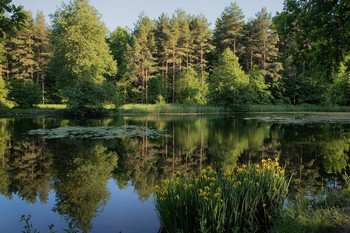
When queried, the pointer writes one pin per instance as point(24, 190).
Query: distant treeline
point(299, 56)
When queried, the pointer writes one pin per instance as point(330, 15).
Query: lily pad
point(343, 118)
point(100, 132)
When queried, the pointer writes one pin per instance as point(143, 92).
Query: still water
point(99, 174)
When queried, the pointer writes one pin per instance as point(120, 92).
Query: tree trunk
point(234, 46)
point(174, 66)
point(202, 66)
point(146, 86)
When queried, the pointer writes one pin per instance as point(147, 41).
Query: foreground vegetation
point(313, 214)
point(246, 199)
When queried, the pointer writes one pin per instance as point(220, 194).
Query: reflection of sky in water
point(123, 212)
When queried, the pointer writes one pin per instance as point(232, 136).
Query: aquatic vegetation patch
point(245, 199)
point(100, 132)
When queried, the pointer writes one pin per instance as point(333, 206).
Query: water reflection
point(78, 170)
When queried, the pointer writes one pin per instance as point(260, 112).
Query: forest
point(299, 56)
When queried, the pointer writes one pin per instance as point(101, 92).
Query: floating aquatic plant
point(100, 132)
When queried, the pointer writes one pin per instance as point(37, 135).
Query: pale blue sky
point(125, 12)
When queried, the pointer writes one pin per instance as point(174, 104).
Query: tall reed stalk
point(244, 199)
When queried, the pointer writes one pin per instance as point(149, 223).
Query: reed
point(169, 108)
point(244, 199)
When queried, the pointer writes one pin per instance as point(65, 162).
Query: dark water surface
point(99, 174)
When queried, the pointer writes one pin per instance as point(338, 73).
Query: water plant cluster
point(244, 199)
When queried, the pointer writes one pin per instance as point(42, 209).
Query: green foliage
point(245, 199)
point(118, 42)
point(170, 108)
point(160, 100)
point(80, 49)
point(339, 92)
point(228, 29)
point(190, 89)
point(260, 92)
point(90, 97)
point(229, 83)
point(11, 17)
point(24, 94)
point(313, 215)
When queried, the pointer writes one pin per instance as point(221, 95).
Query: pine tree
point(228, 28)
point(171, 49)
point(20, 52)
point(202, 46)
point(142, 61)
point(42, 51)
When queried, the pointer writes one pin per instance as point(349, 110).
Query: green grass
point(313, 216)
point(169, 108)
point(187, 108)
point(291, 108)
point(53, 109)
point(245, 199)
point(47, 109)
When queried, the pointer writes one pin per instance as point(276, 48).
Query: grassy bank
point(47, 109)
point(170, 108)
point(57, 109)
point(290, 108)
point(314, 214)
point(185, 108)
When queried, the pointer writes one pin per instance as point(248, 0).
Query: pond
point(99, 174)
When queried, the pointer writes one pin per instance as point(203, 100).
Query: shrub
point(89, 98)
point(245, 199)
point(25, 94)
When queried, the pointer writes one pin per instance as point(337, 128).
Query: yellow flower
point(263, 161)
point(269, 160)
point(239, 182)
point(218, 190)
point(257, 166)
point(239, 170)
point(276, 159)
point(281, 172)
point(216, 195)
point(206, 188)
point(213, 179)
point(244, 166)
point(234, 186)
point(264, 205)
point(221, 200)
point(204, 171)
point(257, 184)
point(200, 190)
point(205, 198)
point(154, 197)
point(179, 173)
point(245, 179)
point(190, 185)
point(177, 197)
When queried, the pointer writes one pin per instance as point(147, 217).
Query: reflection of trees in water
point(82, 170)
point(25, 166)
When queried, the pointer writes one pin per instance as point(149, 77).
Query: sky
point(125, 12)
